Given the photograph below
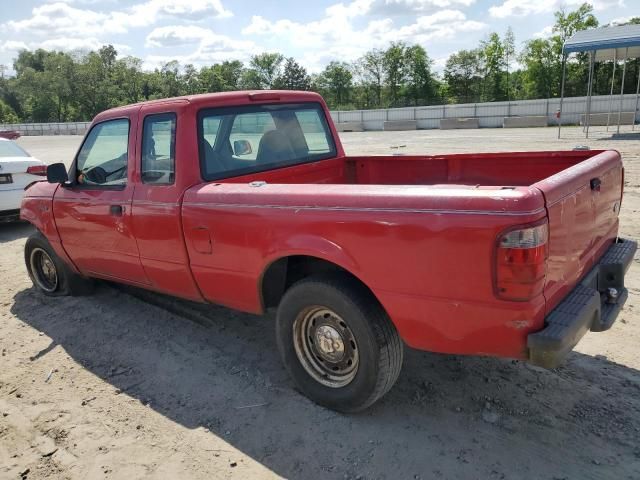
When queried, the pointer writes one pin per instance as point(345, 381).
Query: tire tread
point(387, 337)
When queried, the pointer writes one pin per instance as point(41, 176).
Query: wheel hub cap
point(43, 270)
point(330, 343)
point(326, 346)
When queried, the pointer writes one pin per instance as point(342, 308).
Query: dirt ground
point(122, 385)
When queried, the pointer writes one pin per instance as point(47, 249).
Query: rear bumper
point(10, 199)
point(9, 216)
point(592, 305)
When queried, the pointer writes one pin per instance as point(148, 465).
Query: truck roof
point(220, 99)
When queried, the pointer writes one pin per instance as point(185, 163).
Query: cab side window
point(104, 156)
point(159, 149)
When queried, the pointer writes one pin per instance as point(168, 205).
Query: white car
point(17, 170)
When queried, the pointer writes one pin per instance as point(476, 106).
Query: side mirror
point(241, 147)
point(57, 173)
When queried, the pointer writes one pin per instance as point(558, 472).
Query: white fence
point(65, 128)
point(490, 115)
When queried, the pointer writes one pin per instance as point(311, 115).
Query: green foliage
point(335, 84)
point(421, 84)
point(221, 77)
point(57, 86)
point(263, 71)
point(370, 69)
point(395, 70)
point(7, 115)
point(541, 76)
point(293, 77)
point(463, 75)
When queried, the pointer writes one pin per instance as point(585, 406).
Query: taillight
point(37, 170)
point(521, 262)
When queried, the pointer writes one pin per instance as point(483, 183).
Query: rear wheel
point(48, 272)
point(337, 342)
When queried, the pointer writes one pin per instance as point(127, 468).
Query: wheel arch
point(284, 271)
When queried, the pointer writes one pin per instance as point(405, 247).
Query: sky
point(204, 32)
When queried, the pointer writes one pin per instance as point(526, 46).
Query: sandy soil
point(130, 385)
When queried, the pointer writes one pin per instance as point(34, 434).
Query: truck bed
point(510, 169)
point(425, 227)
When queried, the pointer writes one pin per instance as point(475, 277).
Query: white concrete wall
point(489, 115)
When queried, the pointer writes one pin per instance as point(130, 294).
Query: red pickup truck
point(247, 199)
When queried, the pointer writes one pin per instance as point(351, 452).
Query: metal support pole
point(624, 71)
point(613, 77)
point(635, 110)
point(589, 90)
point(564, 68)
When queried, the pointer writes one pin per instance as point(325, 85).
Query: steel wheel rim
point(326, 346)
point(44, 270)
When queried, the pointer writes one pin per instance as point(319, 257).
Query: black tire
point(63, 281)
point(376, 347)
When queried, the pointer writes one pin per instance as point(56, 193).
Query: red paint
point(419, 231)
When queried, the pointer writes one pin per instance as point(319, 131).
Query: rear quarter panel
point(426, 254)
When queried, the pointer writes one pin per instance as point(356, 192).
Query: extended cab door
point(93, 214)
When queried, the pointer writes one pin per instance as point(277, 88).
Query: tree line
point(57, 86)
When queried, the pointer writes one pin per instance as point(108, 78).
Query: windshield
point(240, 140)
point(10, 149)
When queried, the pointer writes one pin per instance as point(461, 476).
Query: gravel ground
point(125, 384)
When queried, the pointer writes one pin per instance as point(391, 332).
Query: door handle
point(116, 210)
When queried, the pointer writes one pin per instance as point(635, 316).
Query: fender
point(312, 246)
point(37, 209)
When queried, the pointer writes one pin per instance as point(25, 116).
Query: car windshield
point(240, 140)
point(10, 149)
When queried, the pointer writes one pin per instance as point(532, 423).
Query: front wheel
point(48, 272)
point(337, 342)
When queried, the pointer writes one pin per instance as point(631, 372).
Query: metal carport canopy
point(603, 44)
point(609, 43)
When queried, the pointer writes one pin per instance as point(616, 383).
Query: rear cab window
point(159, 149)
point(241, 140)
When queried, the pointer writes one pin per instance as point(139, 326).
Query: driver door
point(93, 213)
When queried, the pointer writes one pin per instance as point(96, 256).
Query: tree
point(371, 66)
point(129, 79)
point(293, 77)
point(463, 75)
point(57, 86)
point(509, 49)
point(7, 115)
point(335, 82)
point(222, 77)
point(190, 80)
point(493, 56)
point(263, 70)
point(569, 23)
point(542, 66)
point(420, 81)
point(395, 70)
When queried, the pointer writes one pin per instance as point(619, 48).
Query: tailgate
point(582, 203)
